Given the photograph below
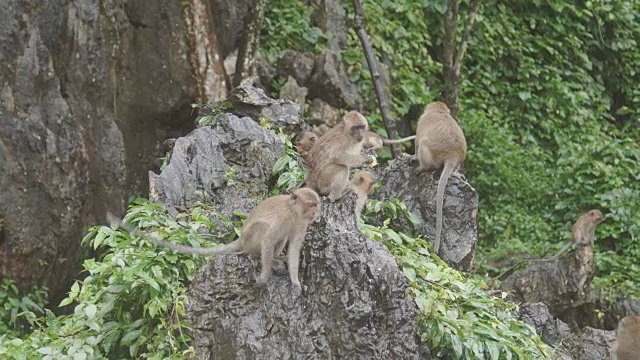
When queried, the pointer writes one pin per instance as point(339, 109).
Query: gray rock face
point(247, 100)
point(562, 284)
point(592, 344)
point(330, 82)
point(418, 192)
point(81, 84)
point(330, 16)
point(292, 91)
point(552, 330)
point(296, 64)
point(354, 303)
point(226, 164)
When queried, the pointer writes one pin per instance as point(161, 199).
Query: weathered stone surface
point(294, 92)
point(321, 113)
point(247, 100)
point(228, 19)
point(418, 192)
point(354, 304)
point(551, 330)
point(226, 164)
point(562, 284)
point(592, 344)
point(330, 17)
point(81, 84)
point(296, 64)
point(330, 82)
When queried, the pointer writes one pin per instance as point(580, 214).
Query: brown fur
point(335, 153)
point(363, 184)
point(275, 222)
point(440, 142)
point(374, 142)
point(627, 344)
point(306, 141)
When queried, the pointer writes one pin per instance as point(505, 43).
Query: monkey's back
point(442, 135)
point(627, 344)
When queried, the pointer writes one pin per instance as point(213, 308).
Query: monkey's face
point(596, 216)
point(306, 144)
point(306, 203)
point(358, 132)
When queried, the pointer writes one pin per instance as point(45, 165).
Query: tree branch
point(383, 104)
point(468, 24)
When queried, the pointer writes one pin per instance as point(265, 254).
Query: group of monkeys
point(282, 220)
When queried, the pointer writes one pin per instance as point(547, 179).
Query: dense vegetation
point(550, 106)
point(132, 301)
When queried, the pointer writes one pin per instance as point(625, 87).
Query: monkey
point(362, 183)
point(439, 142)
point(374, 142)
point(335, 153)
point(306, 141)
point(276, 221)
point(627, 343)
point(583, 231)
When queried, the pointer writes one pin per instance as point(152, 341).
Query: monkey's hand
point(373, 162)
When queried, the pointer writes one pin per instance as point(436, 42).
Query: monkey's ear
point(294, 198)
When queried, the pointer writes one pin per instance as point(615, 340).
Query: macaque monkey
point(335, 153)
point(306, 141)
point(627, 344)
point(582, 232)
point(374, 142)
point(439, 143)
point(363, 184)
point(276, 221)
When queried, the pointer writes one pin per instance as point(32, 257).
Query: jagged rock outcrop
point(81, 84)
point(228, 163)
point(418, 192)
point(591, 344)
point(562, 284)
point(354, 304)
point(551, 330)
point(330, 82)
point(247, 100)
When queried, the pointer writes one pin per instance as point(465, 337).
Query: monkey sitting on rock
point(274, 223)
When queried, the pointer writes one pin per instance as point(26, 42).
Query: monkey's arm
point(356, 160)
point(293, 254)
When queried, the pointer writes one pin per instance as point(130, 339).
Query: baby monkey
point(627, 344)
point(582, 232)
point(306, 141)
point(363, 184)
point(439, 143)
point(276, 221)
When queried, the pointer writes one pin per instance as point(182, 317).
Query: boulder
point(418, 192)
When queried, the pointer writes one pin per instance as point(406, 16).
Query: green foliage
point(287, 25)
point(287, 167)
point(132, 303)
point(18, 312)
point(552, 128)
point(209, 116)
point(457, 318)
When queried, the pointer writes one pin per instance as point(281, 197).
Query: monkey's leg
point(425, 158)
point(293, 261)
point(278, 262)
point(266, 260)
point(337, 187)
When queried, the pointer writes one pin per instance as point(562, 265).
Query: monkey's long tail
point(442, 184)
point(214, 250)
point(398, 141)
